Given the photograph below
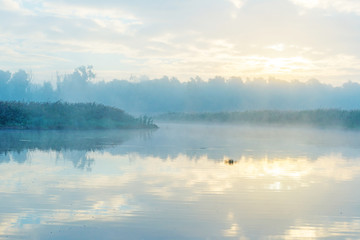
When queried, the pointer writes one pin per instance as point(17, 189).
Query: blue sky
point(285, 39)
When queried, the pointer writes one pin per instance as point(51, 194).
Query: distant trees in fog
point(171, 95)
point(323, 118)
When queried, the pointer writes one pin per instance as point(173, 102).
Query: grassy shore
point(60, 115)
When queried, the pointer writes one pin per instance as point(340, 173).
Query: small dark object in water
point(229, 161)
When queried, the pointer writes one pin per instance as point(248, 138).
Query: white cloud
point(114, 19)
point(131, 181)
point(14, 6)
point(307, 3)
point(237, 3)
point(277, 47)
point(9, 5)
point(349, 6)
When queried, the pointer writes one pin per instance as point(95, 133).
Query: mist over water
point(178, 182)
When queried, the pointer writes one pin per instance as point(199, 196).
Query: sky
point(125, 39)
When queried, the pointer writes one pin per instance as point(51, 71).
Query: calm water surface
point(177, 183)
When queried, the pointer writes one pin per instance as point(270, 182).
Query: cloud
point(115, 19)
point(347, 6)
point(277, 47)
point(10, 5)
point(179, 38)
point(237, 3)
point(14, 6)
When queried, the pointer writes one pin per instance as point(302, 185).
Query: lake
point(181, 181)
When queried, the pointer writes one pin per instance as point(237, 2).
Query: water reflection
point(138, 190)
point(327, 229)
point(18, 140)
point(15, 145)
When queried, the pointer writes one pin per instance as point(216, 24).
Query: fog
point(151, 96)
point(216, 141)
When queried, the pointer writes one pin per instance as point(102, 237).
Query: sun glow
point(285, 65)
point(286, 68)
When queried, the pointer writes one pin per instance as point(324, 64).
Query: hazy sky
point(286, 39)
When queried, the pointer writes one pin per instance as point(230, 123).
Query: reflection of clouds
point(336, 229)
point(287, 167)
point(104, 209)
point(332, 166)
point(69, 195)
point(161, 176)
point(336, 167)
point(206, 175)
point(232, 231)
point(8, 225)
point(113, 208)
point(123, 185)
point(35, 177)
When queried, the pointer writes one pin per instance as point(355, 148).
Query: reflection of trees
point(19, 157)
point(14, 144)
point(79, 159)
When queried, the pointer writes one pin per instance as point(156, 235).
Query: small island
point(61, 115)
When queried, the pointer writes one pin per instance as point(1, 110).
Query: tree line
point(323, 118)
point(166, 94)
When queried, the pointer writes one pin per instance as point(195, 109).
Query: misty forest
point(44, 106)
point(144, 96)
